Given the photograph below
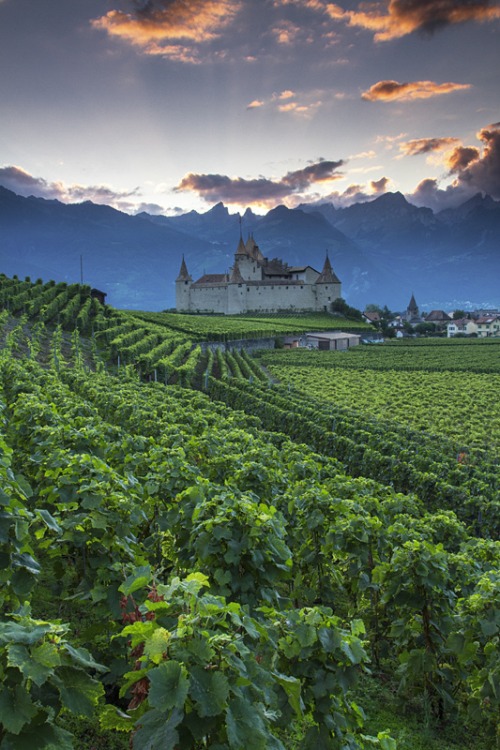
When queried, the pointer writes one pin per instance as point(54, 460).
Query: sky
point(173, 105)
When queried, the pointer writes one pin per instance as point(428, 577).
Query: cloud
point(397, 18)
point(255, 104)
point(474, 170)
point(150, 208)
point(174, 29)
point(480, 171)
point(461, 157)
point(380, 186)
point(288, 101)
point(286, 32)
point(23, 183)
point(356, 193)
point(390, 91)
point(261, 191)
point(427, 145)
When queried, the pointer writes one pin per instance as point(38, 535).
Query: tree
point(340, 306)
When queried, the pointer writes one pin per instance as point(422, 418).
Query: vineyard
point(206, 550)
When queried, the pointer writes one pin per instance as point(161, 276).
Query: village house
point(256, 284)
point(439, 317)
point(464, 326)
point(488, 325)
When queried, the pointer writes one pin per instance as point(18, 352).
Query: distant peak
point(218, 210)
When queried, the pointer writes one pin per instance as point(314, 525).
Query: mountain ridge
point(382, 250)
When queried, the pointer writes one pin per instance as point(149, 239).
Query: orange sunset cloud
point(403, 17)
point(427, 145)
point(390, 91)
point(194, 21)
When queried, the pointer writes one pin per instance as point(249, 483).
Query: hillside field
point(203, 549)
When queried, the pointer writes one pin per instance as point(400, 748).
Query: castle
point(256, 284)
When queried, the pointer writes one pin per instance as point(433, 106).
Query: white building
point(256, 284)
point(463, 326)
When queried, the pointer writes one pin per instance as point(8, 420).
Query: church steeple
point(184, 273)
point(413, 307)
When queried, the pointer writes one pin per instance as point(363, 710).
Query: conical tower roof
point(241, 249)
point(184, 273)
point(253, 249)
point(327, 276)
point(413, 307)
point(236, 277)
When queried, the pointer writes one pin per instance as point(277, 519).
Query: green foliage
point(307, 564)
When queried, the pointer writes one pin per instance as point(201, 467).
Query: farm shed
point(331, 341)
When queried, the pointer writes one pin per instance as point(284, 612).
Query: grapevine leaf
point(49, 520)
point(157, 729)
point(23, 560)
point(13, 632)
point(156, 646)
point(169, 686)
point(16, 708)
point(112, 718)
point(291, 686)
point(245, 728)
point(137, 580)
point(210, 691)
point(44, 737)
point(83, 658)
point(79, 692)
point(20, 657)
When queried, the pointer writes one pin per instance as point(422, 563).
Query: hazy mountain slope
point(382, 250)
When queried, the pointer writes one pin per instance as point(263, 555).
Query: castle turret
point(247, 263)
point(236, 277)
point(183, 288)
point(327, 285)
point(327, 276)
point(184, 273)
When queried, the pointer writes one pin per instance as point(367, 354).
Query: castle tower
point(247, 263)
point(183, 288)
point(328, 287)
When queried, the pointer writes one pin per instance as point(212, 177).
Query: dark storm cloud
point(397, 18)
point(390, 91)
point(263, 191)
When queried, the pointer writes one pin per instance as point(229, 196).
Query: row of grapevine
point(459, 405)
point(52, 303)
point(407, 460)
point(235, 327)
point(483, 357)
point(238, 581)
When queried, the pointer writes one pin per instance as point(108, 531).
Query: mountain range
point(382, 250)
